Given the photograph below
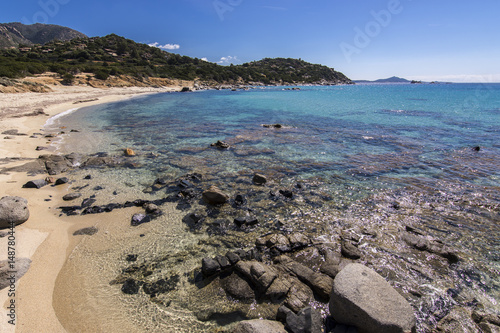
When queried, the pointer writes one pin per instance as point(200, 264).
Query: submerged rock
point(259, 179)
point(13, 210)
point(259, 326)
point(221, 145)
point(364, 299)
point(71, 196)
point(215, 196)
point(86, 231)
point(129, 152)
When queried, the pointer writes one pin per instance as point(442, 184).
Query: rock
point(223, 262)
point(86, 231)
point(128, 152)
point(13, 210)
point(233, 257)
point(259, 326)
point(185, 89)
point(209, 267)
point(214, 196)
point(55, 164)
point(37, 183)
point(430, 245)
point(151, 208)
point(362, 298)
point(272, 125)
point(320, 283)
point(299, 296)
point(259, 179)
point(298, 241)
point(139, 218)
point(20, 268)
point(61, 181)
point(238, 287)
point(161, 286)
point(130, 287)
point(476, 148)
point(38, 148)
point(50, 180)
point(221, 145)
point(308, 320)
point(286, 193)
point(350, 251)
point(71, 196)
point(457, 321)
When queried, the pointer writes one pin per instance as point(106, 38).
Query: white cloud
point(205, 59)
point(166, 46)
point(228, 60)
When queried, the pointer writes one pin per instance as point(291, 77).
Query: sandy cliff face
point(43, 83)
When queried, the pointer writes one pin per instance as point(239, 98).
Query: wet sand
point(45, 238)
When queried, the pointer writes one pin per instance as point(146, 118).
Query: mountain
point(17, 34)
point(393, 79)
point(113, 55)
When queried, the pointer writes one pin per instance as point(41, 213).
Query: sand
point(45, 237)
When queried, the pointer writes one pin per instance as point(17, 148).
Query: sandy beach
point(44, 238)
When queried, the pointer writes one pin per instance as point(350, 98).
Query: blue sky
point(446, 40)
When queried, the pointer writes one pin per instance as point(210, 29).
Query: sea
point(371, 160)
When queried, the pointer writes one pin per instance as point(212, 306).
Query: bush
point(101, 74)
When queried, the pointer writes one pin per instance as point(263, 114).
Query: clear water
point(365, 147)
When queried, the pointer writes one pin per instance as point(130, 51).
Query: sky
point(429, 40)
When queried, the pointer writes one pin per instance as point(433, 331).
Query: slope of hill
point(17, 34)
point(393, 79)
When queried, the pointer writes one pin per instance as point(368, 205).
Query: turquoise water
point(367, 148)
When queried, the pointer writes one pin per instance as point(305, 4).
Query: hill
point(113, 55)
point(393, 79)
point(18, 34)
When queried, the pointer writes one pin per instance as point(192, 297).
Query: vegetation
point(115, 55)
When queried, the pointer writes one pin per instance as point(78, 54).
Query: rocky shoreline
point(299, 280)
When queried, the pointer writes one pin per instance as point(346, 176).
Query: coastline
point(44, 238)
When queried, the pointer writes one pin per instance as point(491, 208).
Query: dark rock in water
point(71, 196)
point(272, 125)
point(431, 245)
point(286, 193)
point(223, 262)
point(233, 257)
point(161, 286)
point(185, 89)
point(238, 287)
point(131, 257)
point(86, 231)
point(218, 227)
point(476, 148)
point(130, 287)
point(87, 177)
point(221, 145)
point(70, 210)
point(279, 242)
point(240, 200)
point(55, 164)
point(98, 188)
point(192, 219)
point(308, 320)
point(88, 202)
point(38, 148)
point(61, 181)
point(140, 218)
point(151, 208)
point(259, 326)
point(319, 283)
point(21, 267)
point(209, 267)
point(259, 179)
point(13, 210)
point(37, 183)
point(215, 196)
point(93, 210)
point(298, 241)
point(364, 299)
point(239, 221)
point(261, 275)
point(350, 251)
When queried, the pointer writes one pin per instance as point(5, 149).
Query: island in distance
point(395, 79)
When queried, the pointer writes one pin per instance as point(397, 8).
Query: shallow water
point(367, 157)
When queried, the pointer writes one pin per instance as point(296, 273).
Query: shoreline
point(44, 238)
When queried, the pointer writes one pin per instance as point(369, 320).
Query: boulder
point(350, 251)
point(221, 145)
point(259, 326)
point(362, 298)
point(13, 210)
point(308, 320)
point(209, 267)
point(214, 196)
point(259, 179)
point(71, 196)
point(128, 152)
point(36, 183)
point(238, 287)
point(55, 164)
point(20, 268)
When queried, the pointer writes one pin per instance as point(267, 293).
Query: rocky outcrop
point(364, 299)
point(13, 210)
point(431, 245)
